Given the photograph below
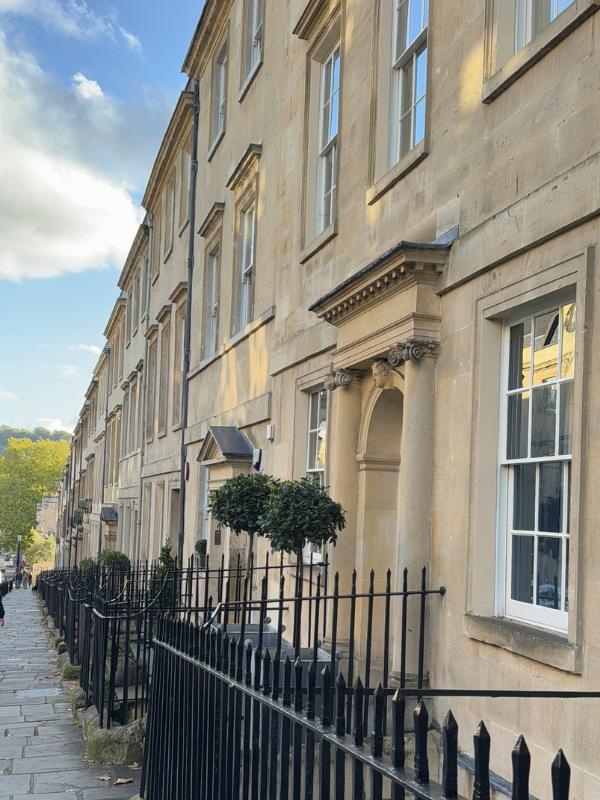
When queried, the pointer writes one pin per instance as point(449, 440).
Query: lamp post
point(19, 539)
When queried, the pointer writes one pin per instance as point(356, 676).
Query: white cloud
point(86, 348)
point(74, 18)
point(70, 158)
point(69, 372)
point(54, 424)
point(8, 397)
point(87, 89)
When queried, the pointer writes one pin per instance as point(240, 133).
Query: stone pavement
point(41, 748)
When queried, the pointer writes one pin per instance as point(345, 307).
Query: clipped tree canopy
point(299, 513)
point(241, 502)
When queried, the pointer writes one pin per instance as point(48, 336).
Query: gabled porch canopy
point(225, 443)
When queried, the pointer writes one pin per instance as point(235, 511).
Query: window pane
point(549, 569)
point(518, 425)
point(524, 497)
point(540, 16)
point(333, 116)
point(562, 4)
point(421, 81)
point(314, 411)
point(566, 556)
point(565, 441)
point(322, 407)
point(543, 422)
point(550, 497)
point(522, 569)
point(401, 26)
point(520, 355)
point(567, 368)
point(415, 20)
point(545, 351)
point(313, 444)
point(321, 447)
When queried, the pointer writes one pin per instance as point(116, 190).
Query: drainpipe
point(106, 396)
point(79, 498)
point(142, 416)
point(188, 323)
point(72, 503)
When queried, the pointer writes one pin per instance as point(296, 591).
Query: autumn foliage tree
point(27, 470)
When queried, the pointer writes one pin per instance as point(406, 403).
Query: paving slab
point(41, 748)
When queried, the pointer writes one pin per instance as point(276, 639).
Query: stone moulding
point(341, 378)
point(406, 264)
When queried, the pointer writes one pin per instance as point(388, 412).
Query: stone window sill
point(319, 242)
point(214, 146)
point(249, 80)
point(397, 172)
point(250, 328)
point(551, 36)
point(525, 640)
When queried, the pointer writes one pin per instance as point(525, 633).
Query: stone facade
point(405, 294)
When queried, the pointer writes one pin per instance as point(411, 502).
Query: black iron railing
point(6, 587)
point(277, 732)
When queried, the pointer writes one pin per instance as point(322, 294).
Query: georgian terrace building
point(393, 290)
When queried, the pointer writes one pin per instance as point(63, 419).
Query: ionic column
point(415, 480)
point(345, 399)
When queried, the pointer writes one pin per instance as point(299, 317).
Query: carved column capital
point(412, 350)
point(341, 378)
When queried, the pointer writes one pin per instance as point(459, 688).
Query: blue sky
point(86, 90)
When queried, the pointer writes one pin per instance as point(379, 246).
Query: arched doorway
point(378, 461)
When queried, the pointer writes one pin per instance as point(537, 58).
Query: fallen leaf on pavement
point(103, 778)
point(122, 781)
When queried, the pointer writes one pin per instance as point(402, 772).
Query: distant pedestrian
point(18, 579)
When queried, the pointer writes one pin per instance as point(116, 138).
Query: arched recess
point(378, 458)
point(378, 461)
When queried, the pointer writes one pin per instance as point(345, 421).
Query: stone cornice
point(313, 16)
point(245, 167)
point(212, 220)
point(179, 292)
point(164, 312)
point(208, 29)
point(173, 139)
point(115, 315)
point(406, 264)
point(140, 241)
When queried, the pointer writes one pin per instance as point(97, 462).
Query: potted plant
point(240, 504)
point(200, 549)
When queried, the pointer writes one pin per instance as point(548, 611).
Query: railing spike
point(421, 723)
point(521, 762)
point(561, 777)
point(450, 766)
point(481, 745)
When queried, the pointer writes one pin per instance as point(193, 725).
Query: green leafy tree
point(114, 558)
point(164, 577)
point(39, 549)
point(240, 504)
point(300, 513)
point(6, 433)
point(27, 470)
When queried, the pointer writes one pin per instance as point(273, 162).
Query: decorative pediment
point(225, 443)
point(212, 220)
point(406, 264)
point(245, 169)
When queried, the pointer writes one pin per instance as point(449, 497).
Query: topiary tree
point(299, 513)
point(163, 578)
point(240, 504)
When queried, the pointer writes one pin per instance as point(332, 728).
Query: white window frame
point(211, 301)
point(552, 619)
point(312, 552)
point(253, 43)
point(219, 94)
point(328, 144)
point(524, 20)
point(404, 55)
point(244, 309)
point(203, 504)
